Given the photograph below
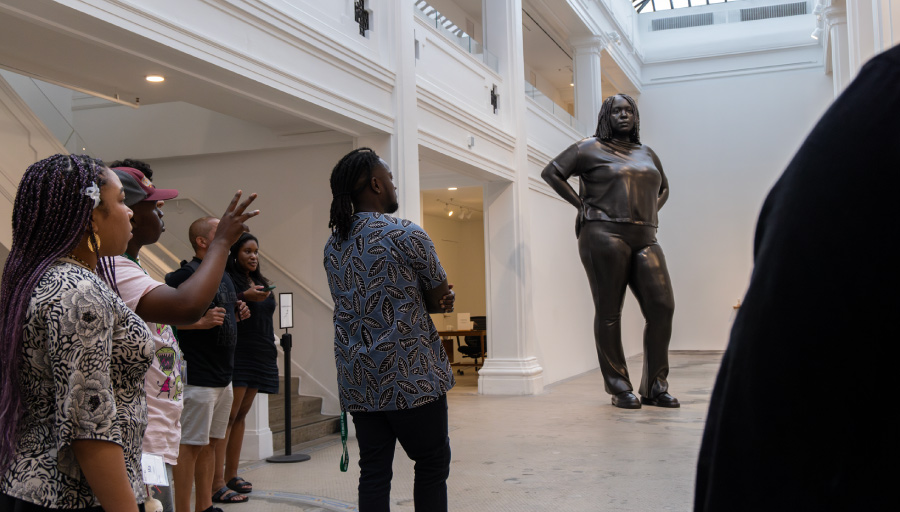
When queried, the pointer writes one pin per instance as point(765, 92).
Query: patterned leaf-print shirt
point(84, 356)
point(387, 351)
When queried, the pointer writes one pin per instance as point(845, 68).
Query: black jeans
point(616, 255)
point(422, 433)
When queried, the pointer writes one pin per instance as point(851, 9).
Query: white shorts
point(205, 414)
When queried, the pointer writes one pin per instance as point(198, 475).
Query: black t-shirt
point(209, 352)
point(619, 181)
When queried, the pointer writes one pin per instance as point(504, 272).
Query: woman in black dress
point(622, 187)
point(255, 356)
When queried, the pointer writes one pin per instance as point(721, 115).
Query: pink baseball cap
point(138, 188)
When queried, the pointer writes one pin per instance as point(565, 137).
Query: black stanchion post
point(286, 342)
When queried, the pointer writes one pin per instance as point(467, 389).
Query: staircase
point(307, 421)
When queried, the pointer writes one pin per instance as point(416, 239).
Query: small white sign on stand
point(286, 303)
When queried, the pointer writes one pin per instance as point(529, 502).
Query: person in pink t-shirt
point(161, 306)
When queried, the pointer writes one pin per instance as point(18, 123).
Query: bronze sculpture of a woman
point(622, 187)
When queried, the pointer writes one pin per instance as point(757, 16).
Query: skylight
point(643, 6)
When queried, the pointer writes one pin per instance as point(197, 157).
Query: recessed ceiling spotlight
point(451, 188)
point(156, 78)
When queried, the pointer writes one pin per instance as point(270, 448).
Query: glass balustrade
point(452, 32)
point(50, 103)
point(549, 105)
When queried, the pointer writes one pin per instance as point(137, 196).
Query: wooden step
point(314, 427)
point(300, 406)
point(307, 421)
point(295, 385)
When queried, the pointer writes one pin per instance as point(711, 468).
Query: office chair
point(472, 348)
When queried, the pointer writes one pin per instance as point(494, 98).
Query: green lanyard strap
point(345, 458)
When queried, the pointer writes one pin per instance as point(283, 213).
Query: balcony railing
point(455, 34)
point(549, 105)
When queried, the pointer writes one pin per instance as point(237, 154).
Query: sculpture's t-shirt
point(163, 382)
point(619, 181)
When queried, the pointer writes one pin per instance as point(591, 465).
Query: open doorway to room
point(454, 218)
point(453, 214)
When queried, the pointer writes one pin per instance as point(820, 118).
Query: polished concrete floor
point(565, 450)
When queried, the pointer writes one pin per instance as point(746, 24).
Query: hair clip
point(93, 192)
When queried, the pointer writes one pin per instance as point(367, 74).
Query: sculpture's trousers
point(616, 255)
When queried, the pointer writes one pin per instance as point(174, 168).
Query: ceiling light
point(156, 78)
point(451, 188)
point(571, 85)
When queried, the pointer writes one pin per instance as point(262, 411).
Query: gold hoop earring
point(92, 239)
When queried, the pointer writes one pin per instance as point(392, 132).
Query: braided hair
point(144, 167)
point(237, 273)
point(604, 126)
point(50, 216)
point(354, 167)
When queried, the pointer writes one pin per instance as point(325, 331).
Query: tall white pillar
point(888, 22)
point(863, 32)
point(836, 25)
point(401, 149)
point(257, 434)
point(511, 367)
point(587, 69)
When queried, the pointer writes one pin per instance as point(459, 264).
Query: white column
point(405, 140)
point(587, 69)
point(862, 32)
point(511, 366)
point(836, 26)
point(888, 22)
point(257, 434)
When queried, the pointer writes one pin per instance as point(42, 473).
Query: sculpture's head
point(619, 119)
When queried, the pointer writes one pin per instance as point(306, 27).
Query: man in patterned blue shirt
point(393, 373)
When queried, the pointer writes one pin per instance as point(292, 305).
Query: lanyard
point(137, 261)
point(345, 458)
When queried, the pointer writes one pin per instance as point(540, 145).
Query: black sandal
point(226, 495)
point(240, 485)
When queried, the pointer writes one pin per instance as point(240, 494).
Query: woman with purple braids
point(72, 402)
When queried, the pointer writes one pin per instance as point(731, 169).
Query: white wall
point(52, 104)
point(563, 307)
point(294, 199)
point(25, 140)
point(460, 246)
point(722, 142)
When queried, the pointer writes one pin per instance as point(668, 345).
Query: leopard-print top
point(84, 356)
